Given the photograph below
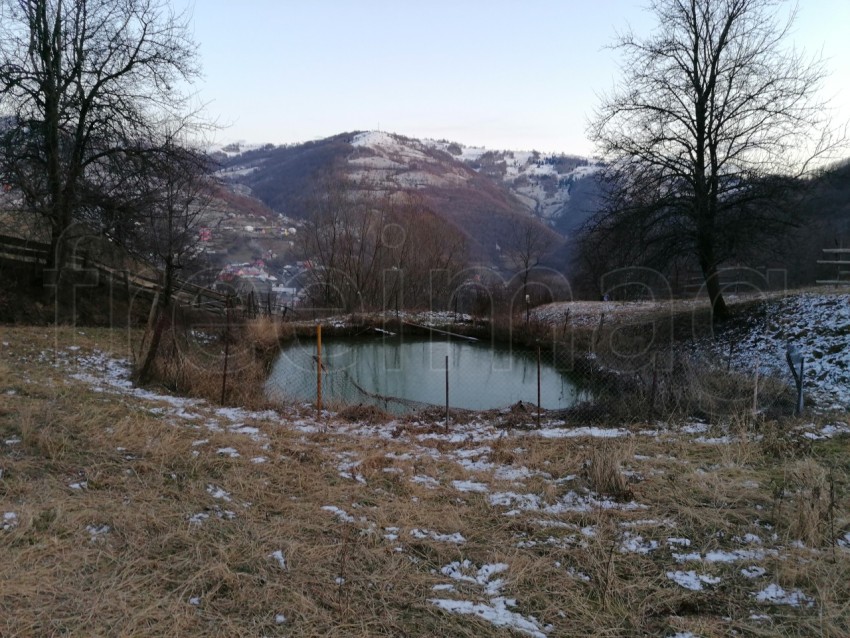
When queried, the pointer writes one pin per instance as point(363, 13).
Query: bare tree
point(712, 109)
point(341, 240)
point(175, 191)
point(526, 243)
point(368, 246)
point(82, 81)
point(424, 251)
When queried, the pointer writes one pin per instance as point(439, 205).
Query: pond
point(404, 374)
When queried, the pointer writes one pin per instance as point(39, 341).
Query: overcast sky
point(517, 75)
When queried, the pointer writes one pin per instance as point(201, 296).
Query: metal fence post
point(226, 349)
point(795, 358)
point(538, 387)
point(447, 393)
point(319, 370)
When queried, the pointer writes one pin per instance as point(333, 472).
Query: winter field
point(129, 511)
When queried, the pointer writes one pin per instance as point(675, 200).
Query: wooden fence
point(840, 258)
point(185, 292)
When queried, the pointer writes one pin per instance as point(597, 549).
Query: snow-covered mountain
point(543, 182)
point(482, 192)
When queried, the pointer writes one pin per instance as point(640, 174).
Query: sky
point(503, 74)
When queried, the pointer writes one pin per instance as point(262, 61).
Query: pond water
point(400, 375)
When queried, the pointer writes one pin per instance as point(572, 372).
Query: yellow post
point(319, 369)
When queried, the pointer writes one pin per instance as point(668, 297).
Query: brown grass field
point(139, 513)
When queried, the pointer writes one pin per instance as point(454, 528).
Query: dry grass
point(149, 471)
point(267, 333)
point(232, 365)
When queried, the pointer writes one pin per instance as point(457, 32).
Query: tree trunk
point(153, 348)
point(719, 310)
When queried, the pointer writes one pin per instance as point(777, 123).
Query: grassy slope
point(147, 476)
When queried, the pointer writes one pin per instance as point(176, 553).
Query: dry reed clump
point(806, 503)
point(7, 379)
point(503, 451)
point(229, 373)
point(364, 413)
point(603, 467)
point(778, 441)
point(267, 334)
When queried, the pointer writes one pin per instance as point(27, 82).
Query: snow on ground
point(691, 580)
point(9, 521)
point(774, 594)
point(818, 325)
point(496, 611)
point(469, 449)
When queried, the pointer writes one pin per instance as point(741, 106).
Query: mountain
point(483, 194)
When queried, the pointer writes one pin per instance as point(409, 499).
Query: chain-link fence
point(601, 370)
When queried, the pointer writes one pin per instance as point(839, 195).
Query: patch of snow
point(724, 556)
point(341, 514)
point(391, 533)
point(695, 427)
point(427, 481)
point(470, 486)
point(10, 521)
point(200, 517)
point(816, 324)
point(721, 556)
point(774, 594)
point(753, 572)
point(218, 493)
point(570, 433)
point(421, 534)
point(636, 545)
point(569, 502)
point(681, 542)
point(691, 580)
point(496, 612)
point(827, 431)
point(572, 571)
point(96, 531)
point(716, 440)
